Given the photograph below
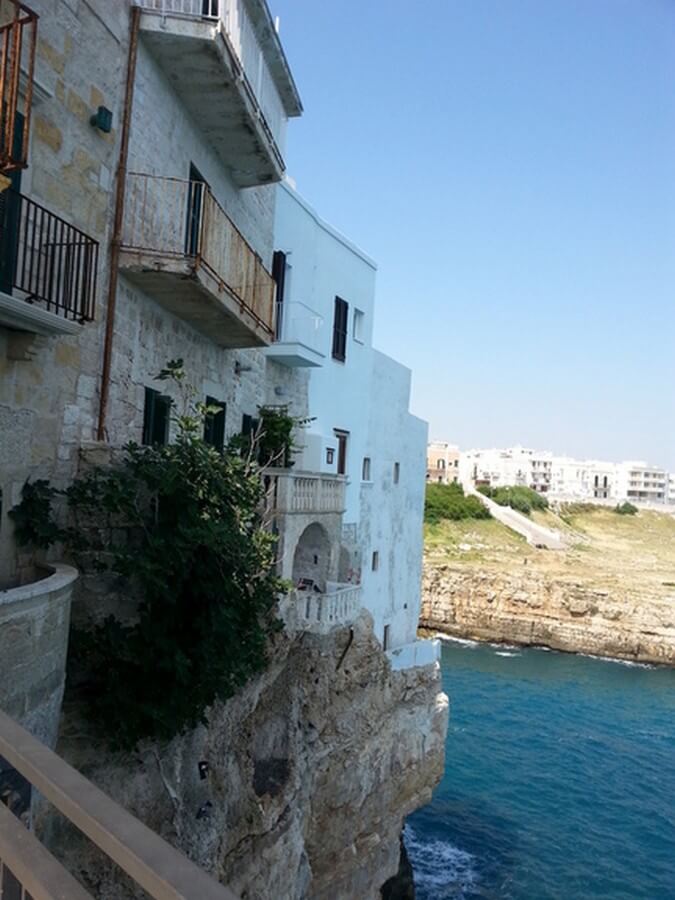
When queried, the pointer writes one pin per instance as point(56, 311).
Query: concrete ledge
point(23, 316)
point(423, 652)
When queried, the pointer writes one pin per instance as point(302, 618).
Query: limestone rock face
point(535, 609)
point(310, 772)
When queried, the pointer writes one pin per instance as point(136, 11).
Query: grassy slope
point(631, 553)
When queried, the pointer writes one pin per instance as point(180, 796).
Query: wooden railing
point(29, 872)
point(175, 217)
point(46, 261)
point(18, 36)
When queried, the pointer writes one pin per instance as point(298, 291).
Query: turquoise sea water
point(559, 780)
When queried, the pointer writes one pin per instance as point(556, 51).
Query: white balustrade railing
point(320, 612)
point(289, 491)
point(232, 17)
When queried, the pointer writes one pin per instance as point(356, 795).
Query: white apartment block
point(512, 466)
point(568, 478)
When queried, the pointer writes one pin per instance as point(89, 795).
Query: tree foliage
point(626, 509)
point(181, 528)
point(518, 497)
point(448, 501)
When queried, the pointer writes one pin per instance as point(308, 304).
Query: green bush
point(448, 501)
point(180, 527)
point(522, 499)
point(626, 509)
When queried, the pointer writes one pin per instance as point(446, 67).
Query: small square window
point(376, 560)
point(397, 472)
point(365, 470)
point(358, 326)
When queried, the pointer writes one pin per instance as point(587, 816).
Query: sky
point(510, 165)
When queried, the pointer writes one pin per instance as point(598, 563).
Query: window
point(330, 456)
point(375, 564)
point(195, 205)
point(397, 472)
point(365, 469)
point(156, 418)
point(342, 438)
point(386, 637)
point(340, 319)
point(249, 425)
point(358, 326)
point(440, 464)
point(214, 424)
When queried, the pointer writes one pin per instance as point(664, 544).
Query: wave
point(456, 640)
point(620, 662)
point(441, 870)
point(506, 653)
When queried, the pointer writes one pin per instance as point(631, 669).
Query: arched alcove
point(311, 560)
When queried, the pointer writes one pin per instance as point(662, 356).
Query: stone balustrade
point(290, 491)
point(320, 612)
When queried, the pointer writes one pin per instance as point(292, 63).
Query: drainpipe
point(116, 239)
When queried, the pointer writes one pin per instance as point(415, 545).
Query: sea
point(559, 780)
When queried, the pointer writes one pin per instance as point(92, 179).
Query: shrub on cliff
point(448, 501)
point(180, 528)
point(626, 509)
point(522, 499)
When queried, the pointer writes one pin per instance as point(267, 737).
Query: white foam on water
point(456, 640)
point(505, 646)
point(440, 869)
point(506, 653)
point(620, 662)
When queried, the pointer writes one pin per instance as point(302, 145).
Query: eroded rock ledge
point(310, 772)
point(535, 609)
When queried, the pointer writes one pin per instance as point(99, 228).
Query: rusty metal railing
point(46, 261)
point(175, 217)
point(18, 36)
point(29, 872)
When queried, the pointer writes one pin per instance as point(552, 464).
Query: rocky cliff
point(562, 613)
point(297, 788)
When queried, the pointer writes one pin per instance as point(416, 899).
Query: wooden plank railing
point(157, 867)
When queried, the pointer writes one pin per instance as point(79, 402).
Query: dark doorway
point(342, 437)
point(195, 208)
point(10, 211)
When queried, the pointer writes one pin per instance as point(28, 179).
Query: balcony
point(180, 247)
point(27, 869)
point(18, 36)
point(226, 64)
point(305, 493)
point(48, 269)
point(320, 612)
point(298, 336)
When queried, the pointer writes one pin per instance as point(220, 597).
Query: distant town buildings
point(560, 477)
point(442, 462)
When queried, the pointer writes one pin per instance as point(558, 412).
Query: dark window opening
point(195, 206)
point(214, 424)
point(342, 438)
point(397, 472)
point(249, 425)
point(375, 564)
point(156, 416)
point(279, 276)
point(340, 329)
point(386, 639)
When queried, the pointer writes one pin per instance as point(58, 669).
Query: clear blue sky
point(510, 165)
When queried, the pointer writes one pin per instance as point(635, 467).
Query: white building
point(564, 477)
point(511, 466)
point(358, 398)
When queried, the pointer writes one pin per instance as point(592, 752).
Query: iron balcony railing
point(18, 35)
point(29, 872)
point(175, 217)
point(46, 261)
